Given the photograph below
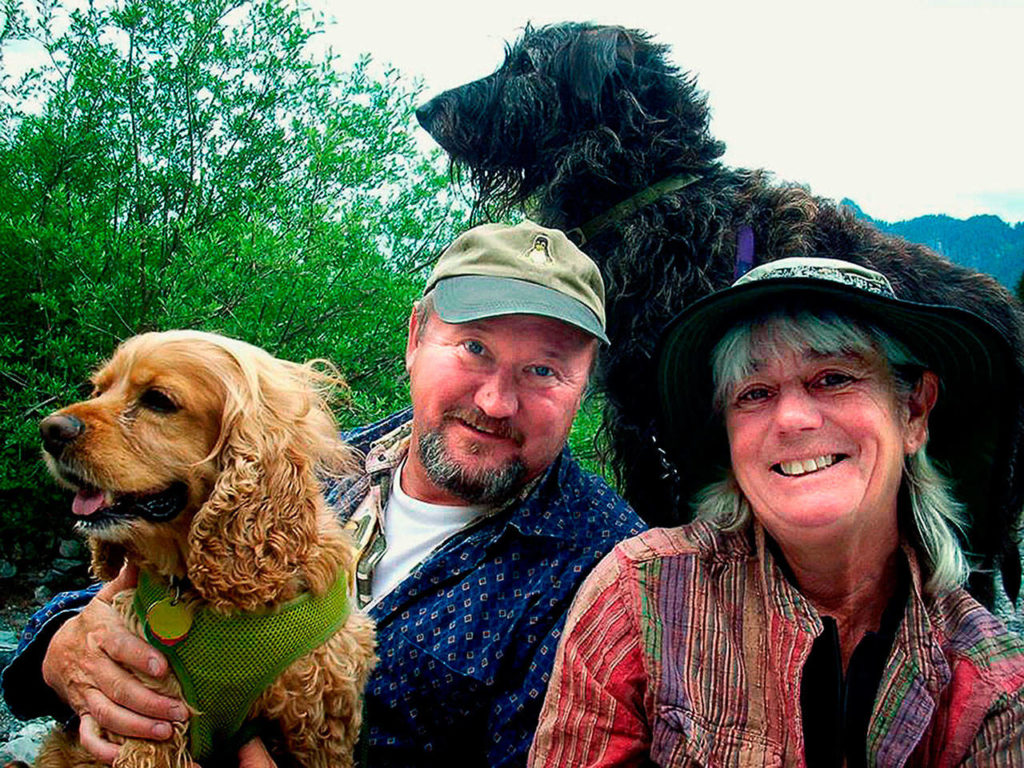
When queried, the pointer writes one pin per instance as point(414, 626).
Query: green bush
point(186, 164)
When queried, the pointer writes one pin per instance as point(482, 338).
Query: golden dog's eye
point(155, 400)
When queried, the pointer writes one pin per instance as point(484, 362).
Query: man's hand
point(87, 664)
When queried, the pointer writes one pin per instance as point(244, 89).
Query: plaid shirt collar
point(364, 502)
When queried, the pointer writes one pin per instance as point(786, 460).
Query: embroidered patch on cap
point(538, 254)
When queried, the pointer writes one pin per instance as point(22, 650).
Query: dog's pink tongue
point(87, 502)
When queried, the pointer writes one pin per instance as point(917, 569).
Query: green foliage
point(583, 439)
point(186, 164)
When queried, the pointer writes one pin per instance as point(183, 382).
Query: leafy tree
point(187, 163)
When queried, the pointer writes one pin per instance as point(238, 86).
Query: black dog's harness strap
point(644, 197)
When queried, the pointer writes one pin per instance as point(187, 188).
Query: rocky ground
point(19, 740)
point(22, 592)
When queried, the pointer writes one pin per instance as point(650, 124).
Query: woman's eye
point(834, 379)
point(157, 401)
point(752, 395)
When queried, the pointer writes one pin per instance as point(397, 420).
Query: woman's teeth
point(804, 466)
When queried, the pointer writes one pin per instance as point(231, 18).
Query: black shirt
point(836, 708)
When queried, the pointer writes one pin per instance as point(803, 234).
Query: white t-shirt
point(413, 529)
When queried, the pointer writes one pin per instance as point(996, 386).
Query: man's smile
point(480, 425)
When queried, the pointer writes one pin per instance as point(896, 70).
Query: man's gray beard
point(486, 486)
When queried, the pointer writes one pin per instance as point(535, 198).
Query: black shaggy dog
point(592, 130)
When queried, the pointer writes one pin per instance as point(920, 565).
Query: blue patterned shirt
point(468, 639)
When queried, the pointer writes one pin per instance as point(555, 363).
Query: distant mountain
point(985, 243)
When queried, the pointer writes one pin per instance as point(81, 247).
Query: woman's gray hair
point(936, 517)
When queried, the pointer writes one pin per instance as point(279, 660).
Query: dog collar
point(644, 197)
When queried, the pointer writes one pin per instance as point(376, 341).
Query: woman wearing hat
point(837, 441)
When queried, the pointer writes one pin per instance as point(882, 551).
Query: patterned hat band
point(833, 270)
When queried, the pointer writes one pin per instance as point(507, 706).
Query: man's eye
point(474, 347)
point(157, 401)
point(543, 370)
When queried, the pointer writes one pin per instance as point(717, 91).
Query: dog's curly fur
point(250, 437)
point(580, 118)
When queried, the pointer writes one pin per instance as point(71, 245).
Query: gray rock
point(42, 594)
point(8, 644)
point(62, 577)
point(25, 743)
point(64, 566)
point(7, 570)
point(72, 549)
point(8, 640)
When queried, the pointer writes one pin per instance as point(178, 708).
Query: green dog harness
point(225, 662)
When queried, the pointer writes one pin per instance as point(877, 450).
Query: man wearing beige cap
point(474, 524)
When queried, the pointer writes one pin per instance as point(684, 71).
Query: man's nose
point(497, 395)
point(796, 409)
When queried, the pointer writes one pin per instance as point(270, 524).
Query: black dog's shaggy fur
point(580, 118)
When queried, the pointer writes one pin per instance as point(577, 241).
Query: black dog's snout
point(58, 430)
point(426, 113)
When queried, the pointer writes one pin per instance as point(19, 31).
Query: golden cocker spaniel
point(199, 458)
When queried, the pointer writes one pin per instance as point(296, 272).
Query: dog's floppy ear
point(107, 559)
point(591, 58)
point(256, 536)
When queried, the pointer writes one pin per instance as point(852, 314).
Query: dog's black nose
point(425, 114)
point(58, 430)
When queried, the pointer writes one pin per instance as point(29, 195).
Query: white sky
point(907, 106)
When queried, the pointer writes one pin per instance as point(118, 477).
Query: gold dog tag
point(169, 621)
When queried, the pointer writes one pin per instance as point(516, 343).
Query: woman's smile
point(800, 467)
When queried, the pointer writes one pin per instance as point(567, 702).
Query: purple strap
point(744, 251)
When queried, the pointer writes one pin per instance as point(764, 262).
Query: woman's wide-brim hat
point(968, 428)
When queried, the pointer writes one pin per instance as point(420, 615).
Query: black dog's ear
point(592, 58)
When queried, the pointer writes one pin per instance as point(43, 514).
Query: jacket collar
point(916, 664)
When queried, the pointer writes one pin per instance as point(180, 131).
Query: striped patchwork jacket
point(685, 647)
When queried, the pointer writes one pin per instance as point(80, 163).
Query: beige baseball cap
point(526, 269)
